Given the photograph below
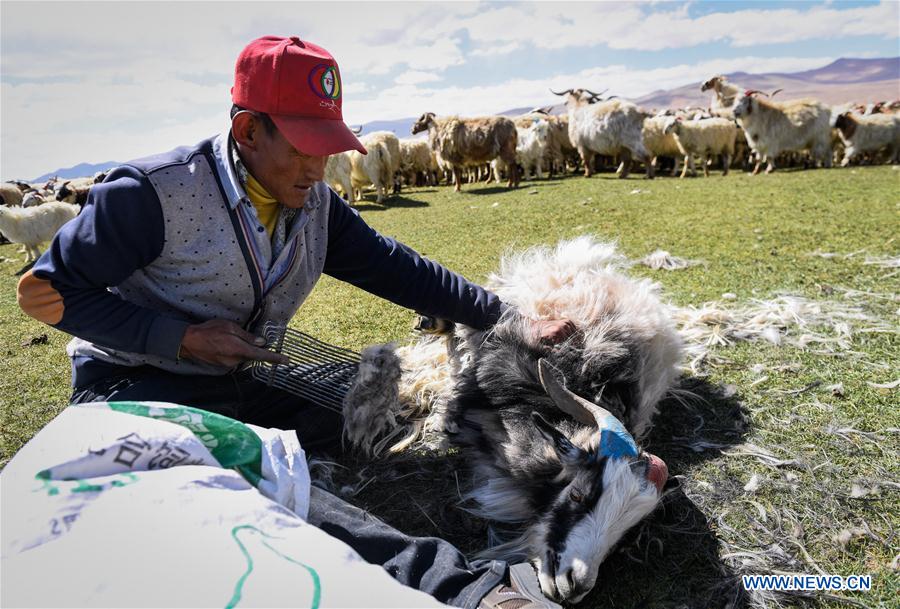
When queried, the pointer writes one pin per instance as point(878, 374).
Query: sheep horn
point(580, 409)
point(615, 441)
point(775, 92)
point(750, 92)
point(597, 94)
point(356, 130)
point(573, 405)
point(566, 92)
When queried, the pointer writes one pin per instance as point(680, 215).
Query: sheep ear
point(567, 452)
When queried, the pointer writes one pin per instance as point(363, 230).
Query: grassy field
point(778, 470)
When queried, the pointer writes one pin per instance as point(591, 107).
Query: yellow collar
point(267, 207)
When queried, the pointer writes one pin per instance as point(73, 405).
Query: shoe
point(523, 592)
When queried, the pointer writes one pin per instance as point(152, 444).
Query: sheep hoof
point(25, 268)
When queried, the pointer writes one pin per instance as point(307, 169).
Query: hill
point(77, 171)
point(844, 80)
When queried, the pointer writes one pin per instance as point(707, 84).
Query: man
point(177, 259)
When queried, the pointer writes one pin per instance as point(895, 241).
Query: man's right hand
point(224, 343)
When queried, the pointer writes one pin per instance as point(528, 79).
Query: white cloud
point(415, 77)
point(406, 101)
point(355, 87)
point(496, 49)
point(634, 26)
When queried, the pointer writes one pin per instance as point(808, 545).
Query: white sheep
point(612, 127)
point(32, 199)
point(337, 174)
point(724, 93)
point(659, 143)
point(868, 133)
point(32, 226)
point(417, 157)
point(532, 147)
point(375, 168)
point(710, 136)
point(794, 125)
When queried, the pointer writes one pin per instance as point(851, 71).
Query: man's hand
point(552, 331)
point(224, 343)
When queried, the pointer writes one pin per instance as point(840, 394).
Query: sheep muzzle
point(657, 471)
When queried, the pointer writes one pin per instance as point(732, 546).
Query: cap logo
point(325, 81)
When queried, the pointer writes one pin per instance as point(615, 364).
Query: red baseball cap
point(298, 84)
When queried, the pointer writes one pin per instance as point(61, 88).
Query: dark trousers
point(429, 564)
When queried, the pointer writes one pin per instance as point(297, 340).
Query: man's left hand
point(552, 331)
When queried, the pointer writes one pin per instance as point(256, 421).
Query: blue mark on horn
point(615, 441)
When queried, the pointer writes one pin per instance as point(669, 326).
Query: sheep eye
point(576, 496)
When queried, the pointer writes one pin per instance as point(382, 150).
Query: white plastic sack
point(133, 505)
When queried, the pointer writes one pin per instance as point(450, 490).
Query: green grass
point(755, 235)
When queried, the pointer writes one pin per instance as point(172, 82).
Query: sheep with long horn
point(563, 470)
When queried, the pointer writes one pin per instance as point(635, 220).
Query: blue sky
point(90, 82)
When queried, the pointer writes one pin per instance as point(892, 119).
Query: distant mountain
point(516, 111)
point(846, 70)
point(82, 170)
point(843, 80)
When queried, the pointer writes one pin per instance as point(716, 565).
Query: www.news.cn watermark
point(807, 583)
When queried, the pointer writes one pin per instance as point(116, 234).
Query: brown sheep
point(463, 142)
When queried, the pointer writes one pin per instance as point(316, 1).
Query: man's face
point(287, 174)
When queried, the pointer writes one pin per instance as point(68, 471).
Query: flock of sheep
point(743, 127)
point(31, 215)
